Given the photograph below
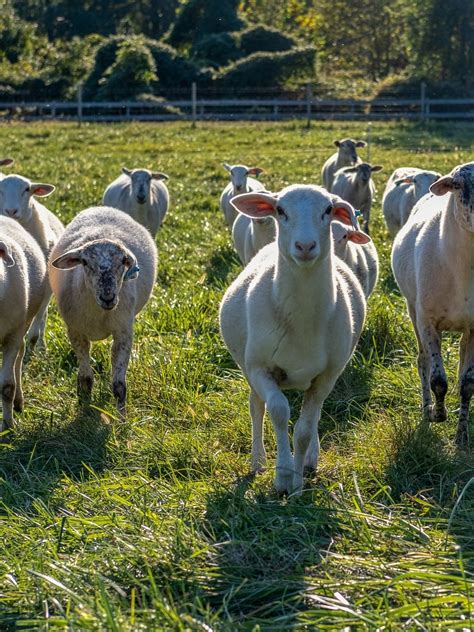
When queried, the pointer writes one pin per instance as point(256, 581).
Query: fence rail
point(241, 109)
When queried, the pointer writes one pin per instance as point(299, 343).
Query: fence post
point(194, 102)
point(369, 131)
point(309, 96)
point(422, 100)
point(79, 103)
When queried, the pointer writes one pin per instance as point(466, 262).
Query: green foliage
point(154, 523)
point(216, 50)
point(268, 70)
point(262, 38)
point(132, 72)
point(201, 18)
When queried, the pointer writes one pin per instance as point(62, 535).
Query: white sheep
point(355, 185)
point(357, 250)
point(251, 235)
point(345, 156)
point(240, 182)
point(23, 283)
point(404, 188)
point(102, 272)
point(17, 200)
point(432, 263)
point(291, 319)
point(142, 194)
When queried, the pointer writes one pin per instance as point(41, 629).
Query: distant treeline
point(126, 49)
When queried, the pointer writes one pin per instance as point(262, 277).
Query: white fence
point(242, 109)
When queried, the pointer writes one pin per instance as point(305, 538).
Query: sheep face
point(141, 182)
point(423, 181)
point(347, 149)
point(303, 214)
point(239, 174)
point(460, 182)
point(105, 264)
point(342, 235)
point(15, 195)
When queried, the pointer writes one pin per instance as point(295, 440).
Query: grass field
point(154, 523)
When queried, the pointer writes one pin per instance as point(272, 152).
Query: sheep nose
point(141, 199)
point(11, 212)
point(305, 247)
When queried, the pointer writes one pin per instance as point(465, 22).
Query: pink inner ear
point(40, 191)
point(358, 237)
point(342, 214)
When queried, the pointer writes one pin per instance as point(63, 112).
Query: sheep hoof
point(283, 482)
point(18, 405)
point(438, 414)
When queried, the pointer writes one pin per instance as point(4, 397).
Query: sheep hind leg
point(431, 345)
point(466, 383)
point(121, 350)
point(11, 347)
point(36, 333)
point(257, 410)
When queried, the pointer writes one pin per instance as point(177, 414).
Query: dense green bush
point(264, 38)
point(268, 70)
point(217, 50)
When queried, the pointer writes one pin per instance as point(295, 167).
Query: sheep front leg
point(85, 377)
point(121, 350)
point(19, 400)
point(262, 382)
point(35, 335)
point(11, 348)
point(423, 367)
point(305, 438)
point(466, 383)
point(430, 340)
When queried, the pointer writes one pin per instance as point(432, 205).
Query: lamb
point(432, 264)
point(17, 202)
point(239, 183)
point(142, 194)
point(291, 319)
point(357, 250)
point(101, 283)
point(404, 188)
point(355, 185)
point(251, 235)
point(345, 156)
point(23, 283)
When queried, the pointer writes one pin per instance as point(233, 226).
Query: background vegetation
point(346, 48)
point(154, 523)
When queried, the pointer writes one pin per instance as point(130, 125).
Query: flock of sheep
point(293, 316)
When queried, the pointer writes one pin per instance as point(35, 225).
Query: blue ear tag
point(358, 213)
point(131, 273)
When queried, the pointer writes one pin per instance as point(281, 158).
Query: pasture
point(153, 523)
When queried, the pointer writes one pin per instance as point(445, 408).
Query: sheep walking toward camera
point(432, 263)
point(404, 188)
point(142, 194)
point(101, 283)
point(23, 283)
point(355, 185)
point(240, 182)
point(357, 250)
point(291, 319)
point(18, 201)
point(251, 235)
point(345, 156)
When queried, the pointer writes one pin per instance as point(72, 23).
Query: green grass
point(154, 523)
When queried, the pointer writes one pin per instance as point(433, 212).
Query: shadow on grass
point(32, 464)
point(263, 546)
point(220, 264)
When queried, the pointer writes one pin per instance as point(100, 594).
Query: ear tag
point(131, 273)
point(358, 213)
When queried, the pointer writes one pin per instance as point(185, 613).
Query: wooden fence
point(276, 109)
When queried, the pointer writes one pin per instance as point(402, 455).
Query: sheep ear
point(345, 213)
point(358, 237)
point(376, 168)
point(350, 169)
point(337, 143)
point(126, 171)
point(255, 205)
point(68, 260)
point(360, 143)
point(41, 190)
point(226, 166)
point(406, 180)
point(158, 175)
point(6, 255)
point(255, 171)
point(442, 186)
point(131, 264)
point(6, 162)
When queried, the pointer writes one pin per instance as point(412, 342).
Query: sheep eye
point(27, 190)
point(328, 210)
point(281, 212)
point(124, 260)
point(84, 263)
